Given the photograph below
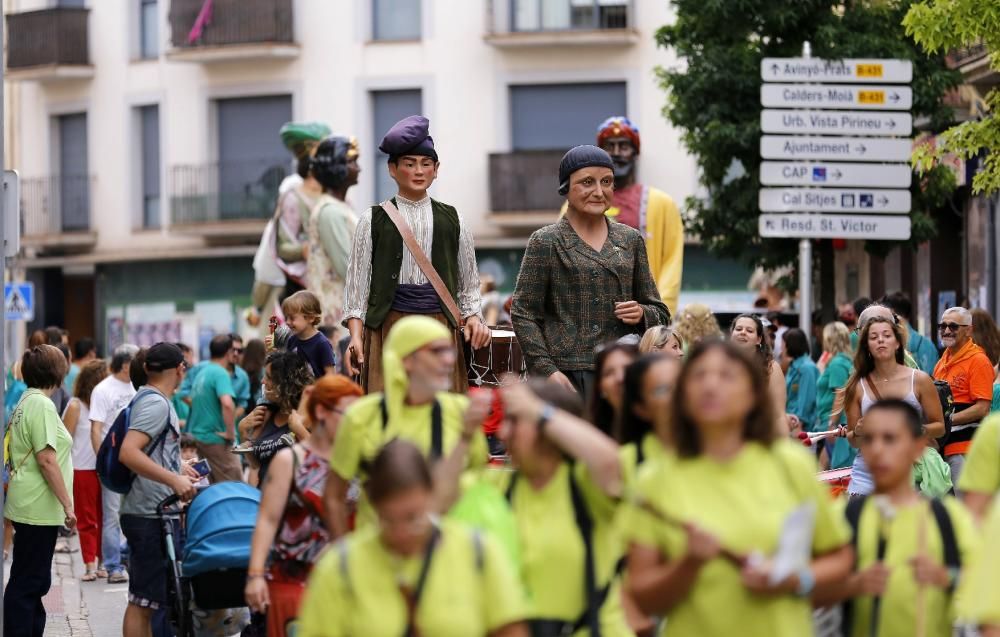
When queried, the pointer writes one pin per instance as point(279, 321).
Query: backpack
point(114, 475)
point(947, 407)
point(949, 548)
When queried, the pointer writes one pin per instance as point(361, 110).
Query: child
point(302, 314)
point(189, 455)
point(909, 550)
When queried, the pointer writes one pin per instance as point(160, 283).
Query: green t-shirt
point(205, 422)
point(34, 426)
point(354, 589)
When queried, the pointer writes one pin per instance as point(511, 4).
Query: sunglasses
point(954, 327)
point(237, 350)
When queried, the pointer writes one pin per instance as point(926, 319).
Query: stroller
point(211, 575)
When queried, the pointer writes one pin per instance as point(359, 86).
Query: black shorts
point(148, 565)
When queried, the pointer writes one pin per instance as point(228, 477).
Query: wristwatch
point(807, 581)
point(548, 411)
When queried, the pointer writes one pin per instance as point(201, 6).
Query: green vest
point(387, 259)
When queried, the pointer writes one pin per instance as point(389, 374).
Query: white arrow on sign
point(878, 98)
point(806, 226)
point(836, 148)
point(790, 173)
point(836, 122)
point(871, 200)
point(847, 70)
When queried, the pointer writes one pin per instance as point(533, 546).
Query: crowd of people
point(646, 478)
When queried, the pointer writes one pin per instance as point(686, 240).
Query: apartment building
point(146, 132)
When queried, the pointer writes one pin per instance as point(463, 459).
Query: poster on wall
point(214, 317)
point(114, 328)
point(149, 323)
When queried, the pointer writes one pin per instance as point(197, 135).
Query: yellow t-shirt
point(460, 598)
point(982, 464)
point(652, 450)
point(979, 595)
point(743, 502)
point(361, 435)
point(897, 617)
point(552, 549)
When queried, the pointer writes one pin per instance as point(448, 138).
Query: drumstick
point(738, 560)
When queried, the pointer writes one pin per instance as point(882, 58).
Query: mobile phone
point(202, 468)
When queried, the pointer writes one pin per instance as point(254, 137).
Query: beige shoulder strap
point(422, 261)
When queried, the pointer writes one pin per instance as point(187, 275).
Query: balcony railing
point(516, 23)
point(224, 192)
point(960, 57)
point(521, 182)
point(230, 22)
point(58, 205)
point(46, 38)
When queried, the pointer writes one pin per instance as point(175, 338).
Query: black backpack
point(947, 406)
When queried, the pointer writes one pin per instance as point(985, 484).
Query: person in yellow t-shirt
point(412, 574)
point(979, 481)
point(722, 495)
point(649, 382)
point(563, 492)
point(418, 361)
point(979, 594)
point(909, 550)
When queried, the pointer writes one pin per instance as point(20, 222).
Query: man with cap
point(649, 210)
point(584, 280)
point(152, 450)
point(384, 279)
point(280, 262)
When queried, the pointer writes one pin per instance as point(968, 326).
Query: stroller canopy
point(220, 523)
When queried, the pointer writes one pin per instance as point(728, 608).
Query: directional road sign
point(847, 70)
point(836, 148)
point(836, 122)
point(870, 200)
point(806, 226)
point(878, 98)
point(791, 173)
point(19, 301)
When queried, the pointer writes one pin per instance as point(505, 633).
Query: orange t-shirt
point(969, 373)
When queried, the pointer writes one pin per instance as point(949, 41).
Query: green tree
point(714, 99)
point(943, 25)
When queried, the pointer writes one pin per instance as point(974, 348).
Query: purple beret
point(409, 136)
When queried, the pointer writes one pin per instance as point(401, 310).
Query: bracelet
point(253, 574)
point(807, 581)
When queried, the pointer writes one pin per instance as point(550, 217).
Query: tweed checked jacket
point(564, 301)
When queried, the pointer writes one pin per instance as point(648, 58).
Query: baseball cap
point(163, 356)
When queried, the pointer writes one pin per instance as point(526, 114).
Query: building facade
point(145, 132)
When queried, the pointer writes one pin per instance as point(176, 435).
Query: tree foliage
point(714, 99)
point(943, 25)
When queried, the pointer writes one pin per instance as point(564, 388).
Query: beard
point(623, 169)
point(947, 341)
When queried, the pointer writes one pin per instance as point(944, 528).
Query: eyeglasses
point(954, 327)
point(237, 350)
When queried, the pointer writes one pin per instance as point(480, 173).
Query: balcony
point(231, 30)
point(224, 202)
point(543, 23)
point(55, 213)
point(973, 62)
point(523, 189)
point(48, 45)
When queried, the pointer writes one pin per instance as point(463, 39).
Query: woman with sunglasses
point(880, 372)
point(649, 383)
point(747, 333)
point(411, 574)
point(290, 533)
point(723, 496)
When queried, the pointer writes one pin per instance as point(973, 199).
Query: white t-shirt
point(107, 400)
point(84, 457)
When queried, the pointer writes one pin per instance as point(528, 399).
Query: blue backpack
point(114, 475)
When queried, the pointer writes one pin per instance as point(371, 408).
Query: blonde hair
point(697, 323)
point(837, 338)
point(657, 337)
point(304, 303)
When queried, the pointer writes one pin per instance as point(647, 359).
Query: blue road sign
point(19, 301)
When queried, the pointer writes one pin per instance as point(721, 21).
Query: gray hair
point(964, 314)
point(122, 355)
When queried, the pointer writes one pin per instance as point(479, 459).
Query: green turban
point(302, 137)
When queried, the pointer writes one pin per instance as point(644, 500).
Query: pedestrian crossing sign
point(19, 301)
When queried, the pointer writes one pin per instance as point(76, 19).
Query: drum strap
point(437, 431)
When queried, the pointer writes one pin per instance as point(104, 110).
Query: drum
point(836, 479)
point(498, 360)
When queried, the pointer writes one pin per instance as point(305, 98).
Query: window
point(73, 184)
point(149, 33)
point(149, 130)
point(388, 107)
point(396, 19)
point(557, 15)
point(560, 116)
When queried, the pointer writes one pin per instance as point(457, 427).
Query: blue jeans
point(111, 532)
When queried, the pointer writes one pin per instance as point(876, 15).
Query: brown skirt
point(372, 379)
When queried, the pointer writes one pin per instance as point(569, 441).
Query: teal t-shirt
point(205, 421)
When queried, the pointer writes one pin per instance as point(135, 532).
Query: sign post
point(836, 147)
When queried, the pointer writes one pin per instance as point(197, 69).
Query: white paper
point(795, 546)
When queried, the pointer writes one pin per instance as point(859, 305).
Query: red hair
point(329, 390)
